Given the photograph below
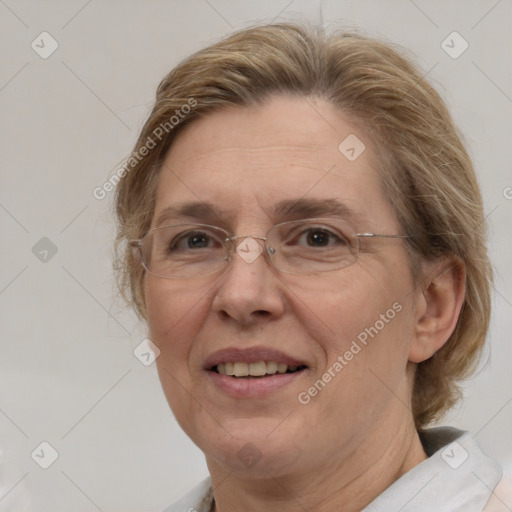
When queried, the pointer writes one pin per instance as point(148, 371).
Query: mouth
point(254, 372)
point(258, 370)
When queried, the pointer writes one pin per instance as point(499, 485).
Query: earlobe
point(438, 307)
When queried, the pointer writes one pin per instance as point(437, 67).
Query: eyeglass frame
point(231, 248)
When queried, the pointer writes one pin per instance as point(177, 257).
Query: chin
point(250, 445)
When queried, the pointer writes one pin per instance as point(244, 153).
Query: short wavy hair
point(425, 172)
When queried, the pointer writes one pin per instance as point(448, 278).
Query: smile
point(253, 372)
point(258, 369)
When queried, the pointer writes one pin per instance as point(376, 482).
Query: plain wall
point(68, 375)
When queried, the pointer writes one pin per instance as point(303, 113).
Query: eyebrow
point(288, 209)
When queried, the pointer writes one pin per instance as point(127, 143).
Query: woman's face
point(350, 328)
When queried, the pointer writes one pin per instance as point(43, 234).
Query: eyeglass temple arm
point(376, 235)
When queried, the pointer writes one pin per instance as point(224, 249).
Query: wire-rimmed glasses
point(182, 251)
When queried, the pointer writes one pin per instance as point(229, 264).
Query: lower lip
point(255, 387)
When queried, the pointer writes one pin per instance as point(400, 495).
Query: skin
point(357, 436)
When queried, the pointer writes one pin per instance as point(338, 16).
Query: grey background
point(68, 375)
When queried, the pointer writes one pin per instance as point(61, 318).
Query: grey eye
point(193, 240)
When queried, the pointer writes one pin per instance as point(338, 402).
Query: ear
point(438, 304)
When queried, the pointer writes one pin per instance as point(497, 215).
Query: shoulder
point(501, 498)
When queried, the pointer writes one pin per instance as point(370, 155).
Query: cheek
point(363, 354)
point(174, 316)
point(364, 315)
point(365, 349)
point(175, 313)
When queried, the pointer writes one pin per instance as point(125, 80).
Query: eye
point(319, 237)
point(193, 240)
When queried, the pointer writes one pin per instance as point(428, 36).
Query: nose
point(249, 291)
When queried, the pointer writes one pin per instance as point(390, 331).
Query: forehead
point(247, 161)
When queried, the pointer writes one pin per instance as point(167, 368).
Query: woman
point(302, 230)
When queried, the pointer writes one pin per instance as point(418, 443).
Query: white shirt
point(457, 477)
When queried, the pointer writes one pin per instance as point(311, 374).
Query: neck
point(349, 484)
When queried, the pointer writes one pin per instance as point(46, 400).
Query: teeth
point(281, 368)
point(271, 367)
point(241, 369)
point(258, 369)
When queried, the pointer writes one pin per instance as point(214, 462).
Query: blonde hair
point(427, 174)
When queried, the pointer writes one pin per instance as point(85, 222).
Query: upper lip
point(250, 355)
